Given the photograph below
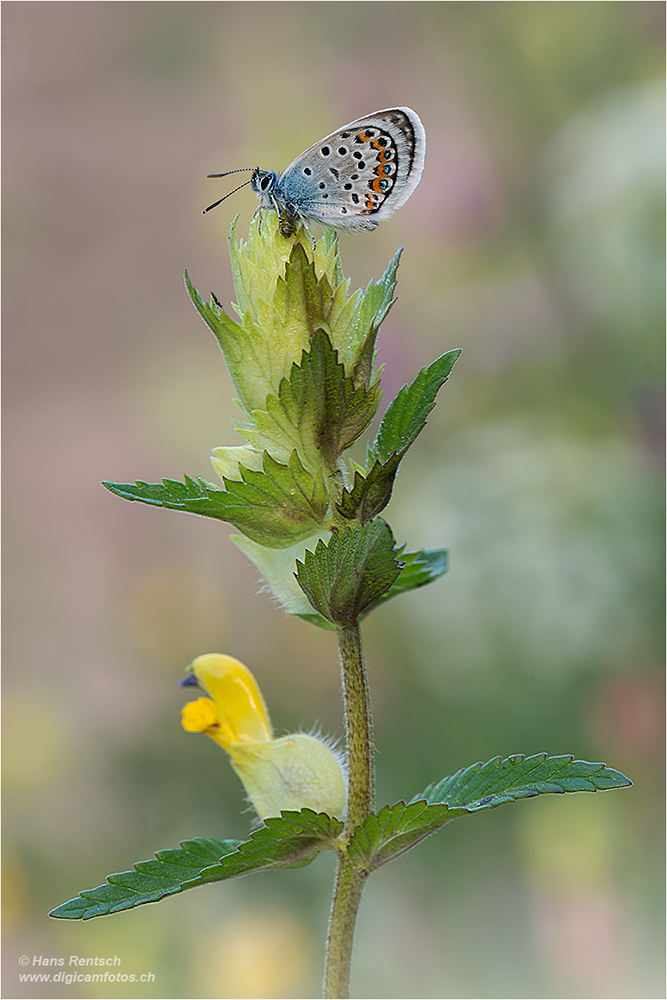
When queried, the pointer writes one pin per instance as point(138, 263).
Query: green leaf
point(375, 302)
point(289, 841)
point(260, 350)
point(235, 342)
point(371, 493)
point(406, 414)
point(318, 410)
point(193, 496)
point(150, 881)
point(403, 421)
point(284, 502)
point(305, 299)
point(348, 576)
point(395, 829)
point(276, 507)
point(419, 568)
point(224, 329)
point(484, 786)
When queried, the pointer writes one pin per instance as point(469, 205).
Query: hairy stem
point(360, 802)
point(344, 906)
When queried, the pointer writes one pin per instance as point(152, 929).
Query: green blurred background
point(535, 243)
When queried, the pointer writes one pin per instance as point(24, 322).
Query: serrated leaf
point(348, 576)
point(283, 501)
point(395, 829)
point(406, 414)
point(237, 346)
point(195, 496)
point(419, 568)
point(318, 410)
point(402, 422)
point(260, 350)
point(370, 493)
point(276, 507)
point(150, 881)
point(307, 299)
point(375, 302)
point(292, 840)
point(484, 786)
point(287, 841)
point(222, 326)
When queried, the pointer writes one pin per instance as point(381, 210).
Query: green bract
point(301, 355)
point(288, 290)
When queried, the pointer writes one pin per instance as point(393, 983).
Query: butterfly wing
point(359, 175)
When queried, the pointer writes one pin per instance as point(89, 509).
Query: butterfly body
point(352, 179)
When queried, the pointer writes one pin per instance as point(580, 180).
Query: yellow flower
point(290, 772)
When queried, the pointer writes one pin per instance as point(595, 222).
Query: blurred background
point(534, 242)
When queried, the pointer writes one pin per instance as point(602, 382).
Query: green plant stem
point(344, 907)
point(358, 727)
point(350, 878)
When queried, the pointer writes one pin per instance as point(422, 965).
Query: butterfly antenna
point(226, 174)
point(216, 203)
point(241, 170)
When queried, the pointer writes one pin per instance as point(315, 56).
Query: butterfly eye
point(264, 183)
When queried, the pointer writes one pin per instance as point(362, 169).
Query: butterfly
point(351, 180)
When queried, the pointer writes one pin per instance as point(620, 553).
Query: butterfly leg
point(307, 228)
point(259, 212)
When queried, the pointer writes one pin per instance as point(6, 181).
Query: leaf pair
point(294, 839)
point(317, 414)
